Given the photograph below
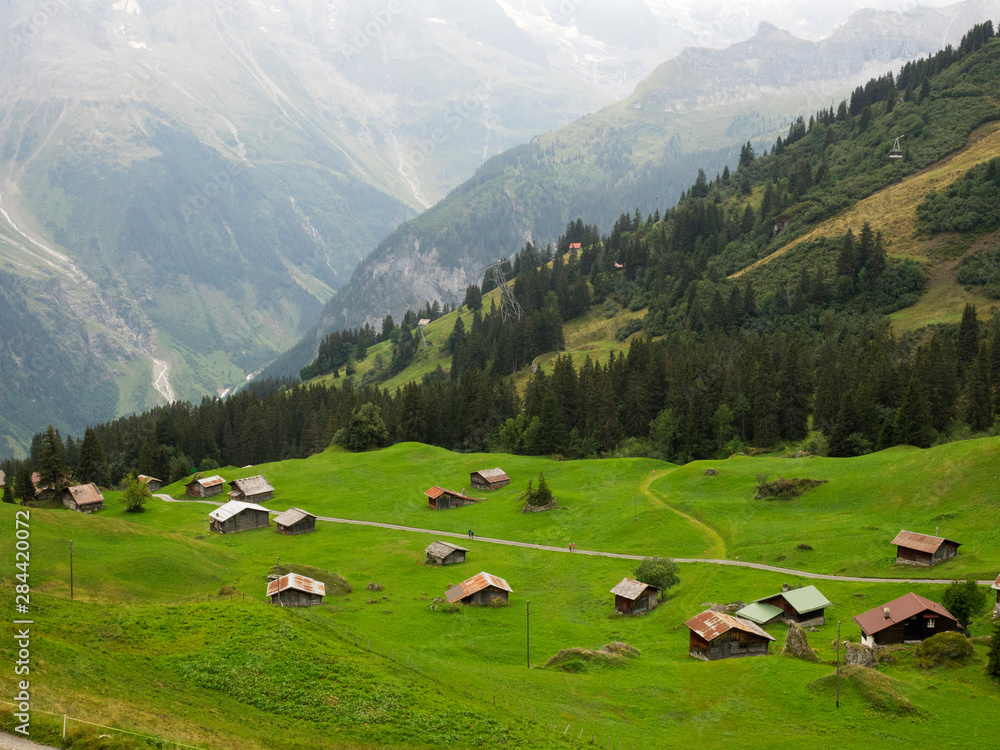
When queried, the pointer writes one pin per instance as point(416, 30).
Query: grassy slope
point(164, 655)
point(894, 212)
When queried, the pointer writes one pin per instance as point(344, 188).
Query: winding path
point(618, 555)
point(718, 545)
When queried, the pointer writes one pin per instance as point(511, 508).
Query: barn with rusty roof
point(489, 479)
point(153, 483)
point(85, 498)
point(922, 549)
point(295, 521)
point(480, 589)
point(635, 597)
point(236, 516)
point(717, 635)
point(293, 590)
point(251, 490)
point(909, 619)
point(445, 553)
point(438, 498)
point(205, 486)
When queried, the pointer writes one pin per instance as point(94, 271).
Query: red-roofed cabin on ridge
point(922, 549)
point(438, 498)
point(909, 619)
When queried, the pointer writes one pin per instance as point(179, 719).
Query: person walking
point(471, 536)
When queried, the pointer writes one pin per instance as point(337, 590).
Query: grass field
point(147, 643)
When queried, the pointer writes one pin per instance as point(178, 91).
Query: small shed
point(922, 549)
point(804, 607)
point(251, 490)
point(2, 479)
point(996, 586)
point(716, 635)
point(85, 498)
point(635, 597)
point(909, 619)
point(438, 498)
point(236, 516)
point(206, 486)
point(479, 589)
point(489, 479)
point(445, 553)
point(293, 590)
point(153, 483)
point(295, 521)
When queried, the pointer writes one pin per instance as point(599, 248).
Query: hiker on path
point(471, 535)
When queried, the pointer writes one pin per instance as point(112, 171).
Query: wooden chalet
point(47, 490)
point(803, 607)
point(251, 490)
point(153, 483)
point(716, 635)
point(439, 498)
point(445, 553)
point(3, 479)
point(293, 590)
point(295, 521)
point(489, 479)
point(85, 498)
point(635, 597)
point(235, 516)
point(922, 549)
point(206, 486)
point(479, 589)
point(909, 619)
point(996, 586)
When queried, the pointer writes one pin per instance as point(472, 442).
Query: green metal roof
point(759, 613)
point(804, 600)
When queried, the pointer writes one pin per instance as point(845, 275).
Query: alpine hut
point(909, 619)
point(251, 490)
point(479, 589)
point(206, 486)
point(293, 590)
point(295, 521)
point(922, 549)
point(153, 483)
point(439, 498)
point(85, 498)
point(445, 553)
point(489, 479)
point(236, 516)
point(803, 607)
point(716, 635)
point(635, 597)
point(996, 586)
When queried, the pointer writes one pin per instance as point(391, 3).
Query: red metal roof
point(435, 492)
point(921, 542)
point(996, 585)
point(710, 625)
point(903, 608)
point(297, 582)
point(575, 245)
point(476, 583)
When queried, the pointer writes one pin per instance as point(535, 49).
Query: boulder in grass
point(797, 644)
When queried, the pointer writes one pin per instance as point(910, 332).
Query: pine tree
point(24, 488)
point(52, 461)
point(978, 396)
point(993, 660)
point(968, 335)
point(913, 421)
point(93, 464)
point(8, 492)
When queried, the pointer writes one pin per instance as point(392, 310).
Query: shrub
point(944, 650)
point(782, 487)
point(658, 571)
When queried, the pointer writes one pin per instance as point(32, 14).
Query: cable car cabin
point(896, 152)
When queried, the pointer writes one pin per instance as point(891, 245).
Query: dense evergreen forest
point(802, 356)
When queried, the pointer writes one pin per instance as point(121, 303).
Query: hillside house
point(293, 590)
point(206, 486)
point(439, 498)
point(235, 516)
point(47, 490)
point(84, 498)
point(716, 635)
point(922, 549)
point(804, 607)
point(251, 490)
point(479, 589)
point(909, 619)
point(3, 479)
point(996, 586)
point(295, 521)
point(445, 553)
point(635, 597)
point(489, 479)
point(153, 483)
point(575, 245)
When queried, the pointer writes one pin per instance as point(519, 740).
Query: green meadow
point(149, 644)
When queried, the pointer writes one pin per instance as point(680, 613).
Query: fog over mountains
point(184, 185)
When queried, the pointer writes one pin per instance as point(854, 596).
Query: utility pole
point(635, 508)
point(70, 568)
point(838, 663)
point(527, 620)
point(277, 567)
